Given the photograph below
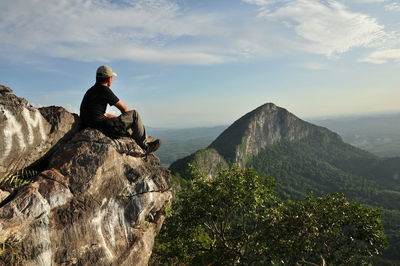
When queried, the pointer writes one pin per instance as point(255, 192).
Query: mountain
point(255, 132)
point(263, 127)
point(304, 159)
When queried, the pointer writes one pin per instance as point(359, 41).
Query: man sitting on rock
point(93, 113)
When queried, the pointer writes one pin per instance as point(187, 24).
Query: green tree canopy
point(236, 218)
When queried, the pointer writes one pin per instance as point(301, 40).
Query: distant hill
point(379, 134)
point(304, 158)
point(178, 143)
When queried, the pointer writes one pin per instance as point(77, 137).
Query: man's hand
point(122, 107)
point(110, 115)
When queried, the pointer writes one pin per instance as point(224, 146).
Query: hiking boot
point(149, 139)
point(152, 146)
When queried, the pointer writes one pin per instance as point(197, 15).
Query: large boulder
point(98, 202)
point(28, 133)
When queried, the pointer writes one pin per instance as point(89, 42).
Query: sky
point(187, 63)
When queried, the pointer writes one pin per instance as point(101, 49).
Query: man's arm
point(110, 115)
point(122, 107)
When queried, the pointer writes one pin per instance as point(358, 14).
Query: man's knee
point(134, 115)
point(130, 113)
point(131, 119)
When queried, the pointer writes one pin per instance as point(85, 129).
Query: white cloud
point(369, 1)
point(382, 57)
point(144, 77)
point(259, 2)
point(393, 6)
point(329, 26)
point(314, 66)
point(100, 30)
point(161, 31)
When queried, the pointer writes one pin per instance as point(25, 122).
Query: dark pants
point(128, 124)
point(132, 120)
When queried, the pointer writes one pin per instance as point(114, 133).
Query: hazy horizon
point(344, 117)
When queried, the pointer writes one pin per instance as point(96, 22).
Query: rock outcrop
point(27, 134)
point(4, 89)
point(98, 201)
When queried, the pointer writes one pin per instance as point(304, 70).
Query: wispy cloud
point(99, 30)
point(164, 32)
point(395, 6)
point(260, 2)
point(143, 77)
point(328, 26)
point(314, 66)
point(369, 1)
point(383, 56)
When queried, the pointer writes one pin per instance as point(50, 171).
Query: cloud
point(314, 66)
point(393, 7)
point(100, 30)
point(383, 56)
point(369, 1)
point(259, 2)
point(138, 53)
point(389, 5)
point(143, 77)
point(328, 26)
point(168, 32)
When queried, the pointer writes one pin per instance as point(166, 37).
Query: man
point(93, 113)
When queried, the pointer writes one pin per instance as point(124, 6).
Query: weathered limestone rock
point(27, 134)
point(4, 89)
point(3, 195)
point(98, 203)
point(95, 206)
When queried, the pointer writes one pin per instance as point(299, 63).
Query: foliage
point(322, 164)
point(18, 178)
point(330, 227)
point(235, 218)
point(313, 165)
point(8, 255)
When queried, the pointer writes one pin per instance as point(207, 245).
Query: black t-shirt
point(94, 104)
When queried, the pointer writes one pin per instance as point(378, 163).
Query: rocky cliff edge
point(95, 201)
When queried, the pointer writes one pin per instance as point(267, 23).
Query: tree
point(236, 218)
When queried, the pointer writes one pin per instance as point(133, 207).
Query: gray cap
point(105, 72)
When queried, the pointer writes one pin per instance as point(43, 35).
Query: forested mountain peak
point(265, 126)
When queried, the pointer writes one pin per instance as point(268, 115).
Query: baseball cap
point(105, 72)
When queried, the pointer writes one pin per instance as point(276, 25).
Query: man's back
point(94, 104)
